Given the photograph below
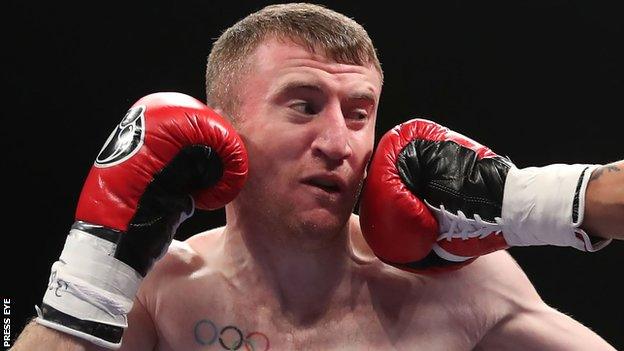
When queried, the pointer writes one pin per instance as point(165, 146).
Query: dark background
point(539, 81)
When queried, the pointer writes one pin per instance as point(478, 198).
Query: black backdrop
point(539, 81)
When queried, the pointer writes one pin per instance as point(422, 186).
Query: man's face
point(308, 124)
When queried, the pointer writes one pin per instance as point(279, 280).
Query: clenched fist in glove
point(434, 200)
point(169, 154)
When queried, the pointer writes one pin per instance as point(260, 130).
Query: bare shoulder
point(497, 272)
point(476, 297)
point(494, 284)
point(179, 256)
point(470, 301)
point(204, 242)
point(490, 290)
point(184, 257)
point(490, 274)
point(182, 274)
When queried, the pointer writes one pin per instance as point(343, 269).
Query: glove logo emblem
point(125, 140)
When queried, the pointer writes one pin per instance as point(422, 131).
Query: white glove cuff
point(540, 206)
point(89, 284)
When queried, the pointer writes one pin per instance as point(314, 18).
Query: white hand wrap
point(538, 206)
point(88, 283)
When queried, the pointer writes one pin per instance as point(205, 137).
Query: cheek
point(362, 150)
point(271, 149)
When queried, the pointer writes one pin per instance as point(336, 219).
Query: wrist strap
point(546, 205)
point(90, 292)
point(97, 333)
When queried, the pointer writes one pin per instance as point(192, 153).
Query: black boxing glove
point(169, 154)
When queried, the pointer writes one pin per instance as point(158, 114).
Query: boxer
point(291, 269)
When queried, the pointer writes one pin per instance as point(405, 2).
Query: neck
point(305, 278)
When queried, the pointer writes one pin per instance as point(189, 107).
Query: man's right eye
point(303, 107)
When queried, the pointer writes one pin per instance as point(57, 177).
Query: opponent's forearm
point(604, 202)
point(37, 337)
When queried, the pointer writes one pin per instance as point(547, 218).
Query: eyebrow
point(315, 87)
point(363, 95)
point(296, 85)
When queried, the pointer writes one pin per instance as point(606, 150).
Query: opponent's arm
point(604, 204)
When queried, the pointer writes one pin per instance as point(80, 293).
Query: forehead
point(279, 61)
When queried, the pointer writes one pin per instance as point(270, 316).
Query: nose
point(332, 139)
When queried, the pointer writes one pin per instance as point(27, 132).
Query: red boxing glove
point(169, 153)
point(167, 147)
point(415, 161)
point(434, 200)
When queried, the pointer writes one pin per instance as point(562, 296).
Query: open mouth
point(328, 182)
point(325, 185)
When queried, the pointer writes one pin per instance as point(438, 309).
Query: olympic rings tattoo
point(251, 341)
point(249, 344)
point(238, 344)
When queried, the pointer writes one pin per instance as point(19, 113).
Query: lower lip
point(320, 191)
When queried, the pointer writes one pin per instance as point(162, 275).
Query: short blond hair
point(315, 27)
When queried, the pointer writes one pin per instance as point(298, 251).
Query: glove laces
point(454, 226)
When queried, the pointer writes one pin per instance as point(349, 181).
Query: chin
point(322, 224)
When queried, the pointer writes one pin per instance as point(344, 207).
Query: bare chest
point(210, 315)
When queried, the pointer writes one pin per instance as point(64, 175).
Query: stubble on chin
point(317, 232)
point(280, 216)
